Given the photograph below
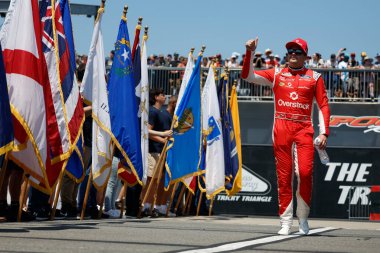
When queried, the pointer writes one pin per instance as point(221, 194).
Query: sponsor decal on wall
point(347, 173)
point(368, 123)
point(255, 188)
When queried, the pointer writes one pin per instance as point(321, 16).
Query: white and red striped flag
point(24, 61)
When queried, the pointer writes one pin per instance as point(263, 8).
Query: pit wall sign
point(348, 167)
point(259, 186)
point(255, 188)
point(348, 173)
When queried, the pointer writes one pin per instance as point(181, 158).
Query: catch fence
point(348, 85)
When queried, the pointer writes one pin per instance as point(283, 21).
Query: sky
point(224, 26)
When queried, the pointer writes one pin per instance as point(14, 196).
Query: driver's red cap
point(298, 43)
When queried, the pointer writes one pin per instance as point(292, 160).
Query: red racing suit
point(294, 92)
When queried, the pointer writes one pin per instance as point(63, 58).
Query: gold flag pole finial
point(226, 72)
point(214, 69)
point(202, 50)
point(100, 10)
point(125, 10)
point(192, 52)
point(145, 37)
point(139, 22)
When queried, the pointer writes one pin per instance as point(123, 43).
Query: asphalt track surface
point(188, 234)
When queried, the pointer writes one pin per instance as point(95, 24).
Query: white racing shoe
point(285, 230)
point(303, 227)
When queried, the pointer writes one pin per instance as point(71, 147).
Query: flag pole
point(26, 185)
point(22, 197)
point(180, 198)
point(187, 203)
point(171, 198)
point(211, 206)
point(192, 53)
point(199, 203)
point(227, 72)
point(201, 74)
point(145, 37)
point(137, 37)
point(201, 194)
point(123, 199)
point(202, 50)
point(101, 9)
point(86, 194)
point(4, 169)
point(56, 195)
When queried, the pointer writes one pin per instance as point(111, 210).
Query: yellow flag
point(236, 121)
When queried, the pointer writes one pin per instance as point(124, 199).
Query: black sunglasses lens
point(296, 51)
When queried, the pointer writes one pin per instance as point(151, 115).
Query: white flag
point(94, 90)
point(23, 58)
point(211, 126)
point(144, 109)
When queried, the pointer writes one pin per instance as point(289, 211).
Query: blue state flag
point(231, 159)
point(184, 148)
point(6, 127)
point(123, 105)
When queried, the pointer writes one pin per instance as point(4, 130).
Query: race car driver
point(294, 88)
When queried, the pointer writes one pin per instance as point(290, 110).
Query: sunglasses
point(295, 51)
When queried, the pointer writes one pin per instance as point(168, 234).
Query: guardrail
point(348, 85)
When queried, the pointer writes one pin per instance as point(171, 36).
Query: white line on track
point(239, 245)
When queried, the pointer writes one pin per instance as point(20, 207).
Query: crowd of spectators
point(358, 83)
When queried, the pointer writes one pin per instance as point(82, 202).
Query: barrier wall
point(353, 147)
